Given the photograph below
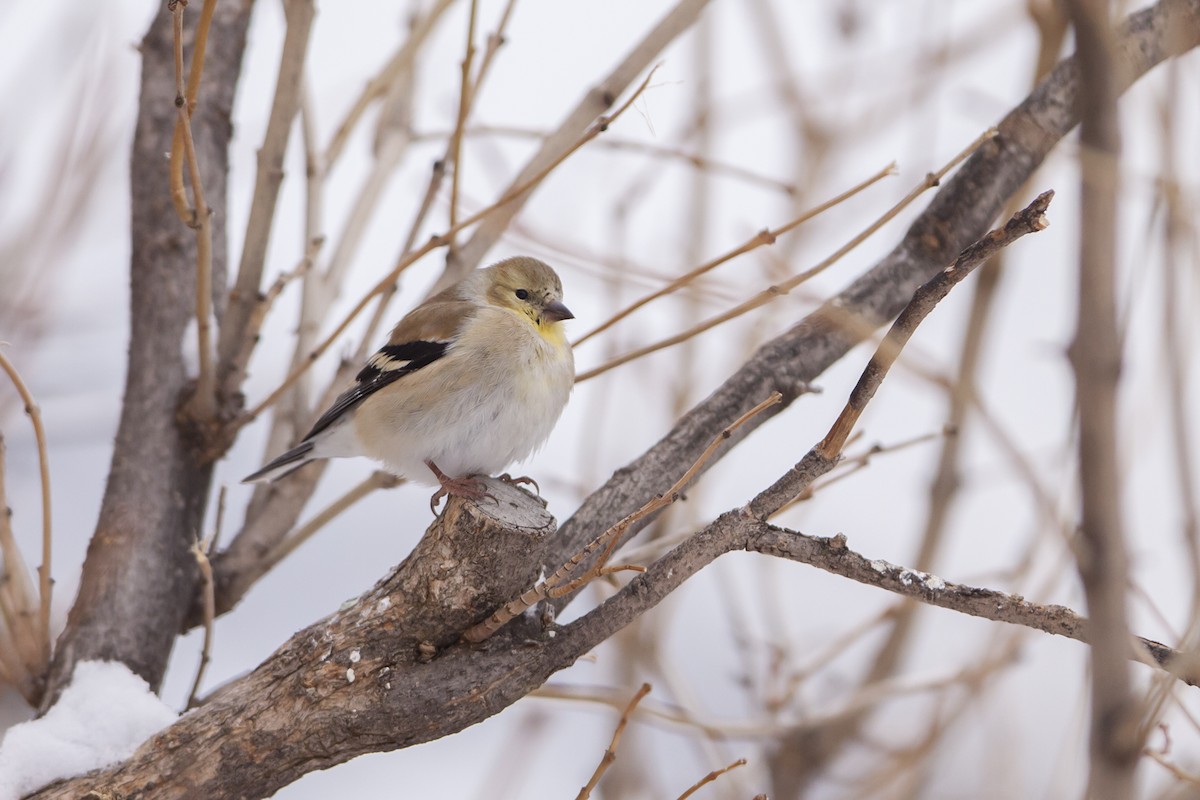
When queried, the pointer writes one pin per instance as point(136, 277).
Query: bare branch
point(1029, 220)
point(595, 102)
point(561, 584)
point(23, 654)
point(1096, 358)
point(383, 673)
point(45, 583)
point(234, 326)
point(766, 236)
point(610, 754)
point(710, 777)
point(771, 293)
point(203, 402)
point(960, 213)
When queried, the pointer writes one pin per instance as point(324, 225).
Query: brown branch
point(562, 583)
point(610, 753)
point(206, 592)
point(203, 403)
point(766, 236)
point(1096, 358)
point(45, 582)
point(558, 144)
point(959, 214)
point(774, 292)
point(1029, 220)
point(384, 672)
point(710, 777)
point(269, 177)
point(822, 458)
point(186, 213)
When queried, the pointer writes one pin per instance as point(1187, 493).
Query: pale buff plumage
point(468, 383)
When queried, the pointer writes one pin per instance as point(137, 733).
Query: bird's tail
point(293, 459)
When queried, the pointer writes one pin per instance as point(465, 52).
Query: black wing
point(390, 363)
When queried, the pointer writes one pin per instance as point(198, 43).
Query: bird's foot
point(470, 487)
point(511, 481)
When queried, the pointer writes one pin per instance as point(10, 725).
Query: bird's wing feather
point(421, 338)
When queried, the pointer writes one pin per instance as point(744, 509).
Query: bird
point(469, 382)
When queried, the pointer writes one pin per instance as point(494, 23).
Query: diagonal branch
point(959, 214)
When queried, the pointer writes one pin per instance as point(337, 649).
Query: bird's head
point(528, 287)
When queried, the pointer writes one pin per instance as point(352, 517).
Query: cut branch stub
point(472, 559)
point(366, 679)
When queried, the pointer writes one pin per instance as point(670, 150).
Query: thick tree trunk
point(138, 577)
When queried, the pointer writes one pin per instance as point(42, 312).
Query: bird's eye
point(522, 294)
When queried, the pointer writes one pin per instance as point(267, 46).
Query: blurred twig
point(22, 650)
point(232, 354)
point(1095, 355)
point(610, 754)
point(559, 144)
point(766, 236)
point(710, 777)
point(45, 582)
point(772, 292)
point(376, 480)
point(464, 106)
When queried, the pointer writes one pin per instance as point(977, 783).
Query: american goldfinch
point(470, 381)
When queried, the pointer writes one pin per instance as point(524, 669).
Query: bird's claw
point(470, 487)
point(511, 481)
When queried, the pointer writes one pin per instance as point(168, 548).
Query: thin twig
point(850, 465)
point(1029, 220)
point(824, 456)
point(464, 106)
point(378, 86)
point(660, 152)
point(560, 583)
point(200, 552)
point(232, 350)
point(710, 777)
point(767, 236)
point(436, 176)
point(495, 40)
point(22, 656)
point(376, 480)
point(199, 48)
point(772, 292)
point(45, 583)
point(610, 755)
point(1095, 355)
point(203, 402)
point(682, 15)
point(435, 242)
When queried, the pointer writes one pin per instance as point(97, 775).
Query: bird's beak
point(556, 312)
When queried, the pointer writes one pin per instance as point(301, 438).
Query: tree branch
point(137, 579)
point(384, 673)
point(957, 216)
point(1115, 746)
